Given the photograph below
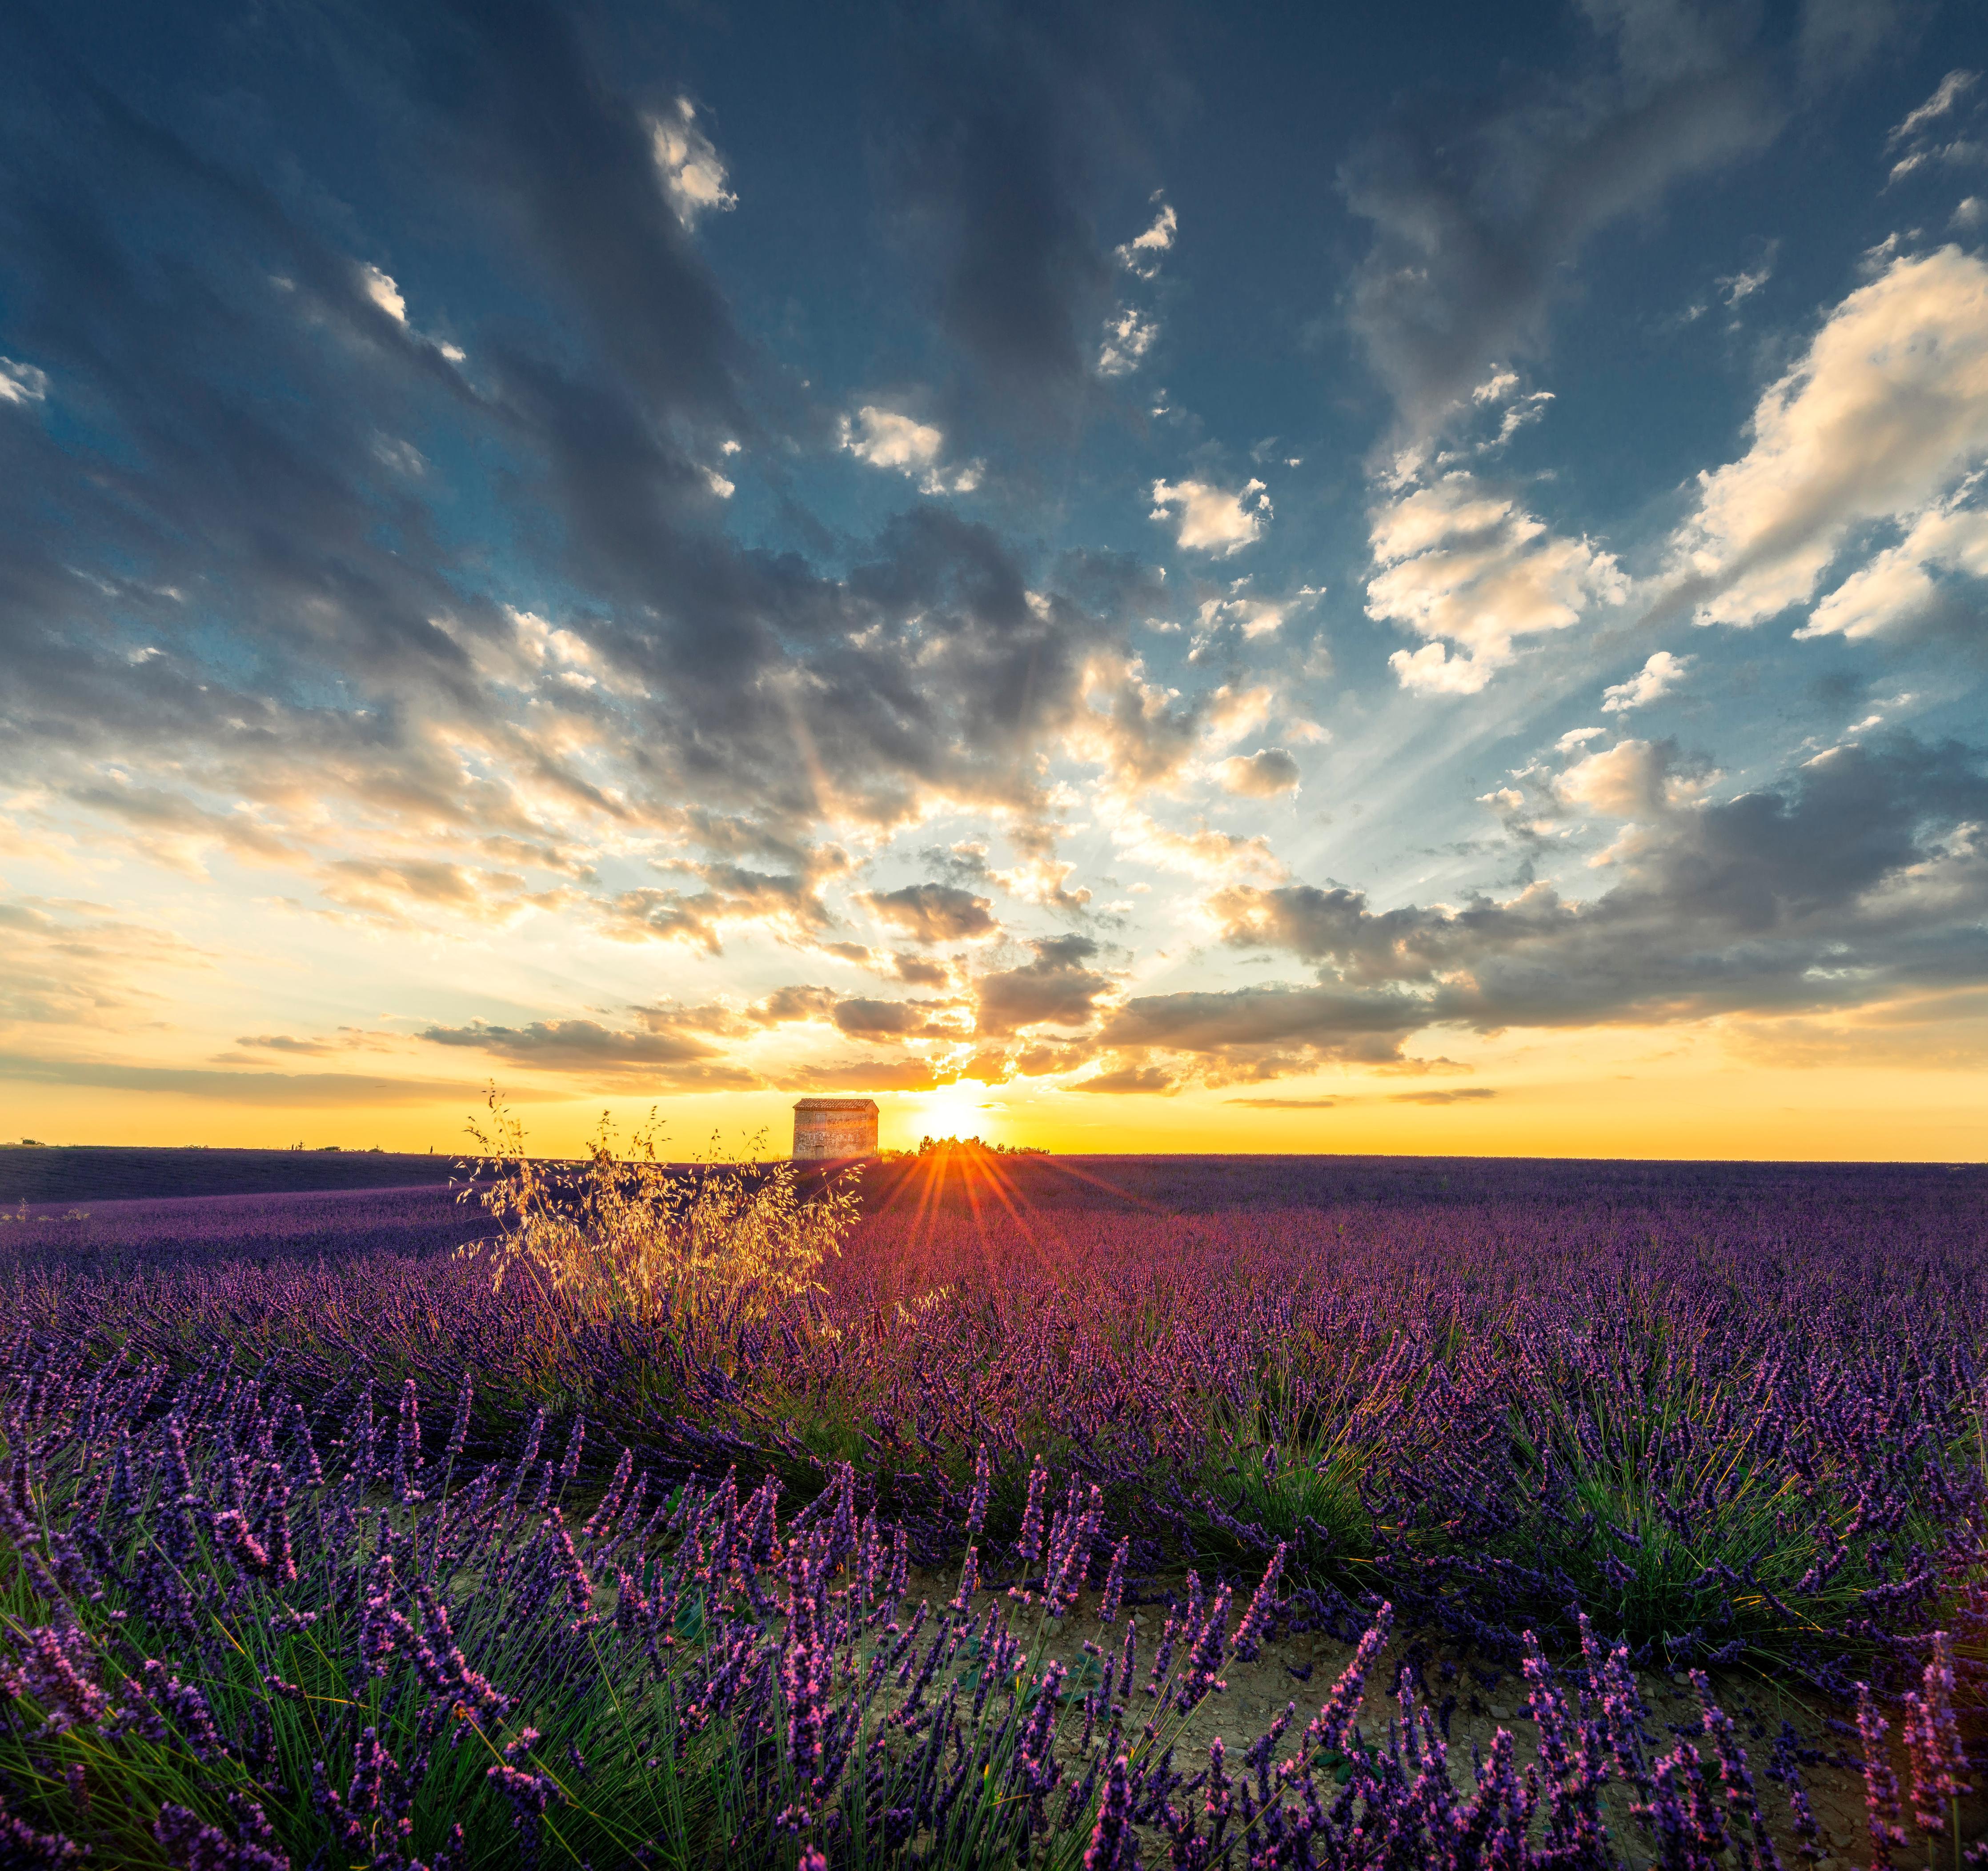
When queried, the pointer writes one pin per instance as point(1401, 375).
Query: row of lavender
point(245, 1633)
point(1731, 1426)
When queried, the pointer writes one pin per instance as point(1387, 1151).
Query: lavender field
point(1241, 1511)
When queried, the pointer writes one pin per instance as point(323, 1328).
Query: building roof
point(836, 1104)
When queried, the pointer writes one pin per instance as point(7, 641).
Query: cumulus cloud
point(689, 166)
point(888, 438)
point(889, 1021)
point(1148, 739)
point(1461, 563)
point(1212, 519)
point(934, 912)
point(1916, 580)
point(1267, 774)
point(1247, 1033)
point(1658, 677)
point(1862, 877)
point(1129, 334)
point(1250, 616)
point(1881, 420)
point(1059, 987)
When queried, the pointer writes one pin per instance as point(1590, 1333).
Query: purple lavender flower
point(1114, 1593)
point(407, 1447)
point(1029, 1546)
point(983, 1489)
point(1256, 1623)
point(1111, 1839)
point(1939, 1761)
point(1881, 1784)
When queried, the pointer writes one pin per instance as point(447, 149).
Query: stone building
point(832, 1127)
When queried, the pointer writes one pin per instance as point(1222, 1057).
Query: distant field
point(100, 1173)
point(1170, 1184)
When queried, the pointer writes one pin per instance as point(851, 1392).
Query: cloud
point(1883, 416)
point(1480, 209)
point(1461, 563)
point(1949, 92)
point(1659, 676)
point(935, 912)
point(1836, 37)
point(1287, 1104)
point(1126, 1080)
point(1266, 774)
point(1147, 738)
point(379, 288)
point(21, 382)
point(1203, 853)
point(587, 1048)
point(1016, 125)
point(301, 1090)
point(1958, 153)
point(1129, 334)
point(691, 172)
point(1862, 875)
point(355, 690)
point(1744, 284)
point(1142, 254)
point(1058, 988)
point(892, 1020)
point(1266, 1032)
point(78, 964)
point(888, 438)
point(347, 1039)
point(1208, 518)
point(789, 905)
point(1470, 1094)
point(920, 970)
point(1915, 580)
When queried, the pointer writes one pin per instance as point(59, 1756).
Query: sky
point(1157, 577)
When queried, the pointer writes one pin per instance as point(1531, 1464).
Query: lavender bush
point(264, 1603)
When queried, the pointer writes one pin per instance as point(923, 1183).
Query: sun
point(955, 1110)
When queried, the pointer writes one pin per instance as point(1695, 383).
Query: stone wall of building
point(833, 1127)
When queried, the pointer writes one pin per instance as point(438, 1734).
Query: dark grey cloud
point(1859, 878)
point(1057, 989)
point(862, 1018)
point(538, 131)
point(586, 1046)
point(1264, 1032)
point(1019, 124)
point(1479, 206)
point(1129, 1078)
point(935, 912)
point(242, 537)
